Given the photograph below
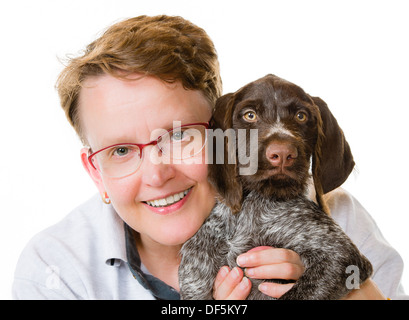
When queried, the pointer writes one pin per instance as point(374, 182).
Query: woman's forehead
point(112, 109)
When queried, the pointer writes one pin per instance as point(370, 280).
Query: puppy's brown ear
point(222, 163)
point(223, 112)
point(333, 160)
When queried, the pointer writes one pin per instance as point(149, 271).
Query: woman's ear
point(92, 172)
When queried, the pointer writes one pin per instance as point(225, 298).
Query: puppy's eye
point(250, 116)
point(301, 116)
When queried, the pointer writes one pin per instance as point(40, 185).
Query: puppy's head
point(294, 132)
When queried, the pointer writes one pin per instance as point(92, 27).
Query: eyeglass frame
point(143, 145)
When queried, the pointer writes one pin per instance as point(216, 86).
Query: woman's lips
point(168, 200)
point(169, 204)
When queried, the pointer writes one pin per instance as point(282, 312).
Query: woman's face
point(114, 111)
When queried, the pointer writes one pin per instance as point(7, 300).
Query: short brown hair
point(170, 48)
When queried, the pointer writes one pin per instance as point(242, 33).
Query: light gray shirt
point(84, 256)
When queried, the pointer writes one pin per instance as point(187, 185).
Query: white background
point(353, 54)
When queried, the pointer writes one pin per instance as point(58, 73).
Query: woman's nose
point(156, 167)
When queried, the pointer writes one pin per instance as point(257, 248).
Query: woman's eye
point(177, 135)
point(250, 116)
point(121, 151)
point(301, 116)
point(181, 135)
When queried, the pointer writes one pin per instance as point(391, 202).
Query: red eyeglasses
point(123, 159)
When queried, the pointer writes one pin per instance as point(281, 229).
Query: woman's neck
point(162, 261)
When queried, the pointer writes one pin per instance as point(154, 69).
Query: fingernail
point(249, 272)
point(236, 272)
point(262, 287)
point(224, 271)
point(241, 260)
point(244, 283)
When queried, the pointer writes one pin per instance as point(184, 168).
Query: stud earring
point(105, 198)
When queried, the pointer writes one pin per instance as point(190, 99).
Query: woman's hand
point(273, 263)
point(259, 263)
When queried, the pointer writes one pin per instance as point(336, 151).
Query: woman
point(132, 97)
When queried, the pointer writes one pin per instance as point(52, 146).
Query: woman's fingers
point(259, 263)
point(287, 271)
point(241, 291)
point(231, 285)
point(223, 272)
point(274, 290)
point(267, 255)
point(272, 263)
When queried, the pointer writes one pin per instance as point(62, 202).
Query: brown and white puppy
point(295, 132)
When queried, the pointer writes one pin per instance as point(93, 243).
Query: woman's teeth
point(168, 200)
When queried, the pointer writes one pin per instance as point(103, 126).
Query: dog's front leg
point(202, 257)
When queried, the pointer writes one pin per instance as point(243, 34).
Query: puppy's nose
point(281, 154)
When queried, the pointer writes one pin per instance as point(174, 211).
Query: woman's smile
point(168, 200)
point(169, 204)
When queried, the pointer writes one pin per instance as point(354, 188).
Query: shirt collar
point(119, 246)
point(159, 289)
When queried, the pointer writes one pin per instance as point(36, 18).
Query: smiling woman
point(124, 103)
